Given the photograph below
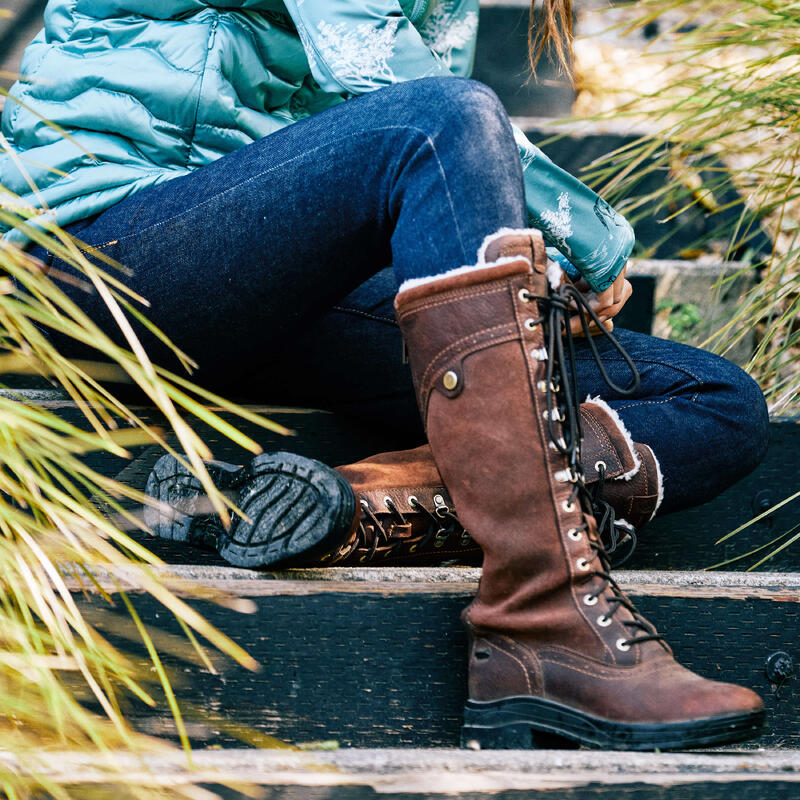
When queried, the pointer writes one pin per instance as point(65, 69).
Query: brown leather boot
point(408, 519)
point(556, 649)
point(406, 515)
point(623, 473)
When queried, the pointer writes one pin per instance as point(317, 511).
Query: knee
point(460, 107)
point(742, 403)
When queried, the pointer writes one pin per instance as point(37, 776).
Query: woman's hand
point(607, 304)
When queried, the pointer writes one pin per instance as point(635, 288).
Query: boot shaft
point(555, 646)
point(478, 356)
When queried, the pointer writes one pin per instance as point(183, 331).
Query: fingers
point(609, 311)
point(614, 294)
point(606, 304)
point(577, 328)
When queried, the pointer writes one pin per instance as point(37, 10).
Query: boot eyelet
point(583, 565)
point(530, 324)
point(604, 622)
point(542, 386)
point(568, 506)
point(623, 645)
point(364, 504)
point(411, 500)
point(388, 502)
point(598, 465)
point(574, 534)
point(525, 296)
point(589, 600)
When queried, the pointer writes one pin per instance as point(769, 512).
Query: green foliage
point(63, 526)
point(684, 319)
point(728, 111)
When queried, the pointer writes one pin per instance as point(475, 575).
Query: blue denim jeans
point(271, 265)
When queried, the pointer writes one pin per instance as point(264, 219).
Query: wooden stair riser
point(684, 540)
point(383, 664)
point(422, 774)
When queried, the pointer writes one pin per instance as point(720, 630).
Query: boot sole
point(294, 506)
point(525, 723)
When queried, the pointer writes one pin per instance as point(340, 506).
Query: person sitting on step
point(260, 167)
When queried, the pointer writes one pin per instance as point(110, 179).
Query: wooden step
point(398, 774)
point(686, 540)
point(376, 657)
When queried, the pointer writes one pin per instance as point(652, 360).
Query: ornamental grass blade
point(61, 555)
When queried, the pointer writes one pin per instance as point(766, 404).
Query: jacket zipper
point(212, 35)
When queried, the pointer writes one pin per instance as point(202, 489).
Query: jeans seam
point(649, 361)
point(650, 403)
point(359, 313)
point(274, 167)
point(694, 377)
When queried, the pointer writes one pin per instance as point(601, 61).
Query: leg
point(241, 256)
point(686, 395)
point(556, 647)
point(349, 361)
point(238, 257)
point(703, 417)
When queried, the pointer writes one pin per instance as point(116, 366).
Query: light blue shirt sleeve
point(584, 228)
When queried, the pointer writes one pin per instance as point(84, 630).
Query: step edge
point(781, 587)
point(432, 771)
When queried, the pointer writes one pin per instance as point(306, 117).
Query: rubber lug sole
point(293, 507)
point(525, 723)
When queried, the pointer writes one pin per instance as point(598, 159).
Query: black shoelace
point(443, 523)
point(612, 532)
point(563, 424)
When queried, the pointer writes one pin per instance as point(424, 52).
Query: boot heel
point(505, 737)
point(519, 736)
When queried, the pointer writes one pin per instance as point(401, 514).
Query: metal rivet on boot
point(450, 380)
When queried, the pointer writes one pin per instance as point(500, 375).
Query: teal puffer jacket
point(142, 91)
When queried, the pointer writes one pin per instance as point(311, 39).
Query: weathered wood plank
point(356, 774)
point(379, 665)
point(686, 540)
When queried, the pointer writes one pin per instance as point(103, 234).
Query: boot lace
point(564, 430)
point(376, 530)
point(612, 531)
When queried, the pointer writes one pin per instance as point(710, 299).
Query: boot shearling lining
point(660, 484)
point(479, 264)
point(555, 275)
point(598, 401)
